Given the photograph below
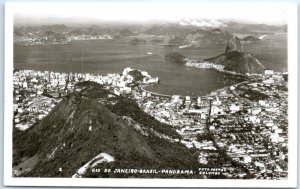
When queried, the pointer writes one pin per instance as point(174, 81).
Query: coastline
point(143, 86)
point(208, 65)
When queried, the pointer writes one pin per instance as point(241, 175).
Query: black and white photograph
point(183, 94)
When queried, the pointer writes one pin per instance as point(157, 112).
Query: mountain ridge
point(80, 127)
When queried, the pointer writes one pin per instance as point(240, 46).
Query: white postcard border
point(114, 182)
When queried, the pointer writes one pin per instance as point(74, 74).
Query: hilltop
point(94, 123)
point(199, 37)
point(251, 38)
point(236, 60)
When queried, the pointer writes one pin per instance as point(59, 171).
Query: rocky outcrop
point(235, 60)
point(234, 45)
point(251, 38)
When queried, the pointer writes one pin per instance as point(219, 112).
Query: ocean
point(112, 56)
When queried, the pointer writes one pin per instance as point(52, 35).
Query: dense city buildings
point(50, 37)
point(245, 124)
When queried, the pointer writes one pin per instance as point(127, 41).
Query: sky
point(38, 13)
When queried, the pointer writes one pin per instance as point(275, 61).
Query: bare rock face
point(235, 60)
point(234, 45)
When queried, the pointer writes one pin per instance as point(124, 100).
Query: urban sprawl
point(248, 122)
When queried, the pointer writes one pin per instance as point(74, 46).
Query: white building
point(175, 98)
point(275, 138)
point(212, 128)
point(144, 94)
point(247, 159)
point(255, 111)
point(217, 102)
point(25, 85)
point(262, 102)
point(199, 101)
point(216, 110)
point(268, 81)
point(269, 72)
point(234, 108)
point(254, 119)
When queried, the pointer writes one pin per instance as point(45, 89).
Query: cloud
point(202, 22)
point(268, 13)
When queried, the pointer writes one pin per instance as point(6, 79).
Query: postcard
point(151, 94)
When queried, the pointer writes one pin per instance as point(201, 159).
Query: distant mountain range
point(176, 28)
point(232, 26)
point(237, 27)
point(184, 34)
point(202, 37)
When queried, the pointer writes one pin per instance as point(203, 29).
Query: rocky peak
point(234, 45)
point(235, 60)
